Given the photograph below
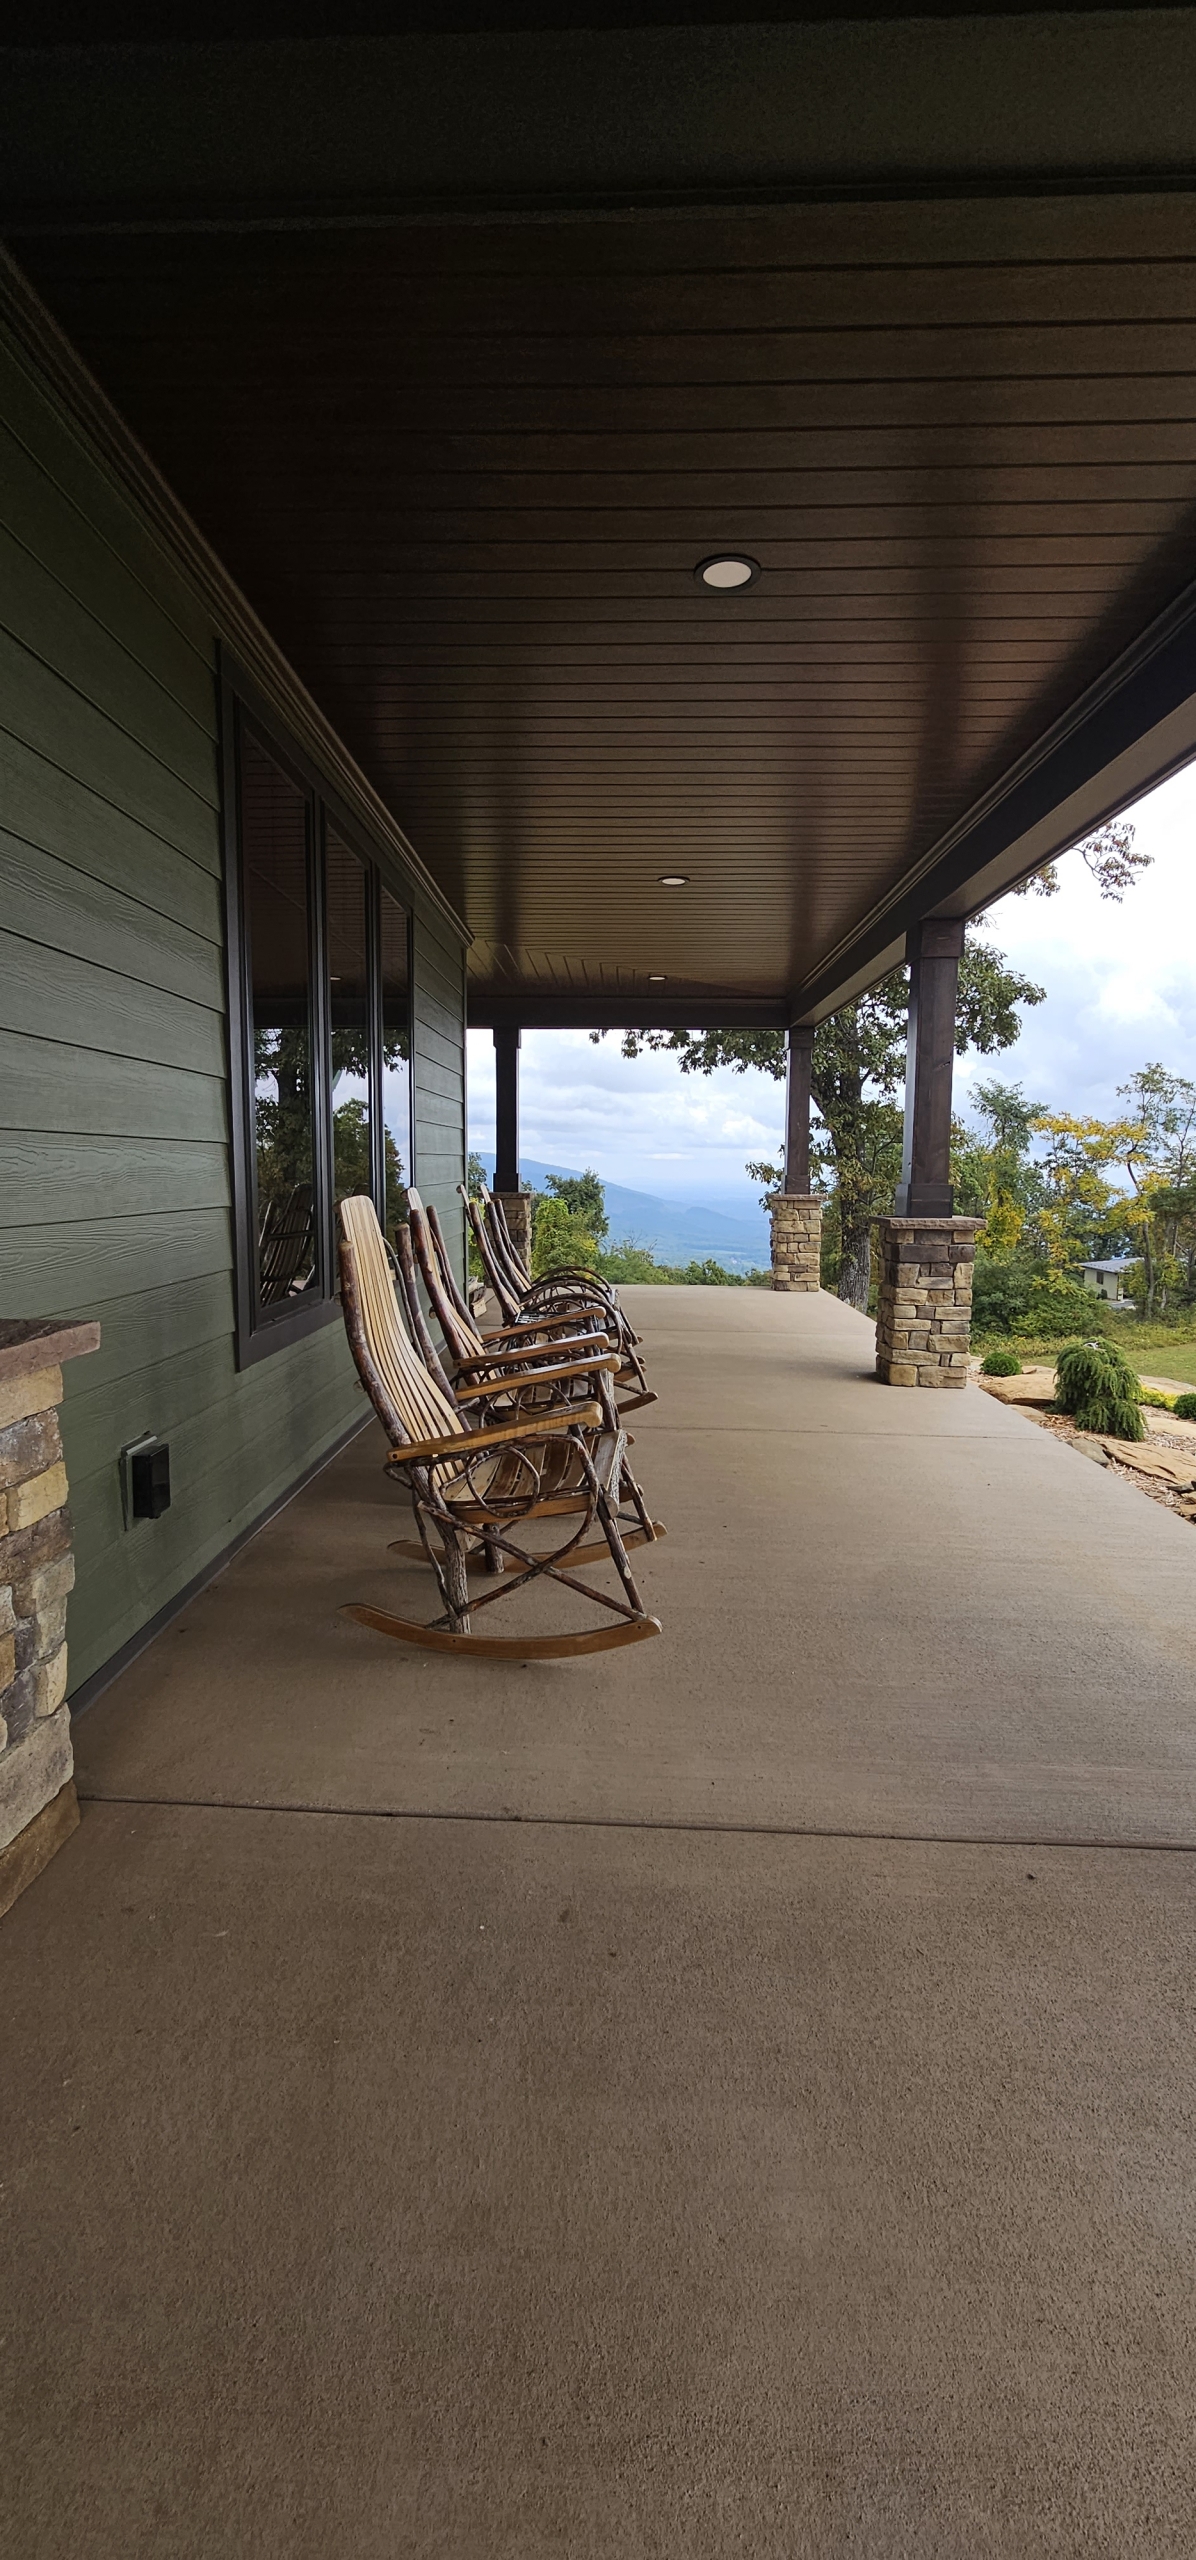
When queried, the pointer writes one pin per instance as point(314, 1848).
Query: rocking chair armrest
point(522, 1352)
point(466, 1444)
point(535, 1377)
point(536, 1324)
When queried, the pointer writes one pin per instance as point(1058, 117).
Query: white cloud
point(640, 1122)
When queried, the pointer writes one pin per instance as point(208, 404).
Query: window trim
point(256, 1334)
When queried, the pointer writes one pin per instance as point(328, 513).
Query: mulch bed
point(1063, 1428)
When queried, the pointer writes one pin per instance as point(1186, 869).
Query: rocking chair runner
point(557, 1293)
point(480, 1486)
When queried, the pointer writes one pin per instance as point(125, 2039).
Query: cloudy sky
point(1121, 990)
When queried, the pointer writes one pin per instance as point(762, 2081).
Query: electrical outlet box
point(145, 1479)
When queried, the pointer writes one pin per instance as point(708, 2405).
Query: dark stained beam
point(797, 1109)
point(1125, 733)
point(489, 1012)
point(506, 1108)
point(924, 1190)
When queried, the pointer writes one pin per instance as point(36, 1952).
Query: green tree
point(1111, 856)
point(1160, 1160)
point(584, 1198)
point(559, 1240)
point(993, 1168)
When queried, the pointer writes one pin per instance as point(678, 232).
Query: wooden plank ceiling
point(465, 475)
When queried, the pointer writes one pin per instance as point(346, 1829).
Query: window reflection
point(349, 1008)
point(396, 1061)
point(274, 856)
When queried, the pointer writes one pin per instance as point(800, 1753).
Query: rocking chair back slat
point(445, 1261)
point(513, 1263)
point(510, 1298)
point(418, 1320)
point(459, 1330)
point(413, 1398)
point(505, 1242)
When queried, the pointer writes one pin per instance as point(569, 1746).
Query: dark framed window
point(319, 947)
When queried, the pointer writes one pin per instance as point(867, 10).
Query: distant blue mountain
point(670, 1229)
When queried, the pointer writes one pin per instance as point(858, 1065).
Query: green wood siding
point(114, 1162)
point(438, 1069)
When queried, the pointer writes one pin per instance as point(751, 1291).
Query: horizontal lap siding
point(438, 1044)
point(114, 1170)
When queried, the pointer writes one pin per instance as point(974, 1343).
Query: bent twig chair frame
point(558, 1292)
point(478, 1484)
point(512, 1363)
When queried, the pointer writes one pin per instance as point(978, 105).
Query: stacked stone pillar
point(924, 1307)
point(517, 1210)
point(38, 1810)
point(796, 1220)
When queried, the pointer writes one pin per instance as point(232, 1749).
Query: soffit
point(464, 474)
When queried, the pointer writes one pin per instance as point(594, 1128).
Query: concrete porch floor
point(732, 2096)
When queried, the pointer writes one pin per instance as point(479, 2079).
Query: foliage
point(1057, 1304)
point(1155, 1396)
point(771, 1175)
point(1095, 1384)
point(559, 1241)
point(994, 1175)
point(1184, 1408)
point(1161, 1165)
point(635, 1266)
point(476, 1177)
point(1111, 856)
point(709, 1274)
point(1080, 1205)
point(584, 1198)
point(1001, 1364)
point(1000, 1294)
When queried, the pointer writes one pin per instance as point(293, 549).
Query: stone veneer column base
point(38, 1809)
point(517, 1208)
point(796, 1219)
point(34, 1847)
point(924, 1309)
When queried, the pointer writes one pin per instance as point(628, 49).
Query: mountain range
point(671, 1229)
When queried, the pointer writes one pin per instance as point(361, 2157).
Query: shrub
point(1155, 1396)
point(1001, 1364)
point(559, 1241)
point(1185, 1407)
point(1095, 1384)
point(1000, 1294)
point(1059, 1305)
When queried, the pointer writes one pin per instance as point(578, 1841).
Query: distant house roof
point(1126, 1263)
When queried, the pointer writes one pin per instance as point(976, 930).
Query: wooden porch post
point(506, 1110)
point(506, 1139)
point(797, 1115)
point(796, 1216)
point(926, 1253)
point(934, 948)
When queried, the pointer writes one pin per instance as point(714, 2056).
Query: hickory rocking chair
point(477, 1484)
point(557, 1292)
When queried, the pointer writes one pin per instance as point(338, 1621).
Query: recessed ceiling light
point(654, 981)
point(674, 879)
point(727, 569)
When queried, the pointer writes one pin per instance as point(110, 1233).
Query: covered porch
point(729, 2096)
